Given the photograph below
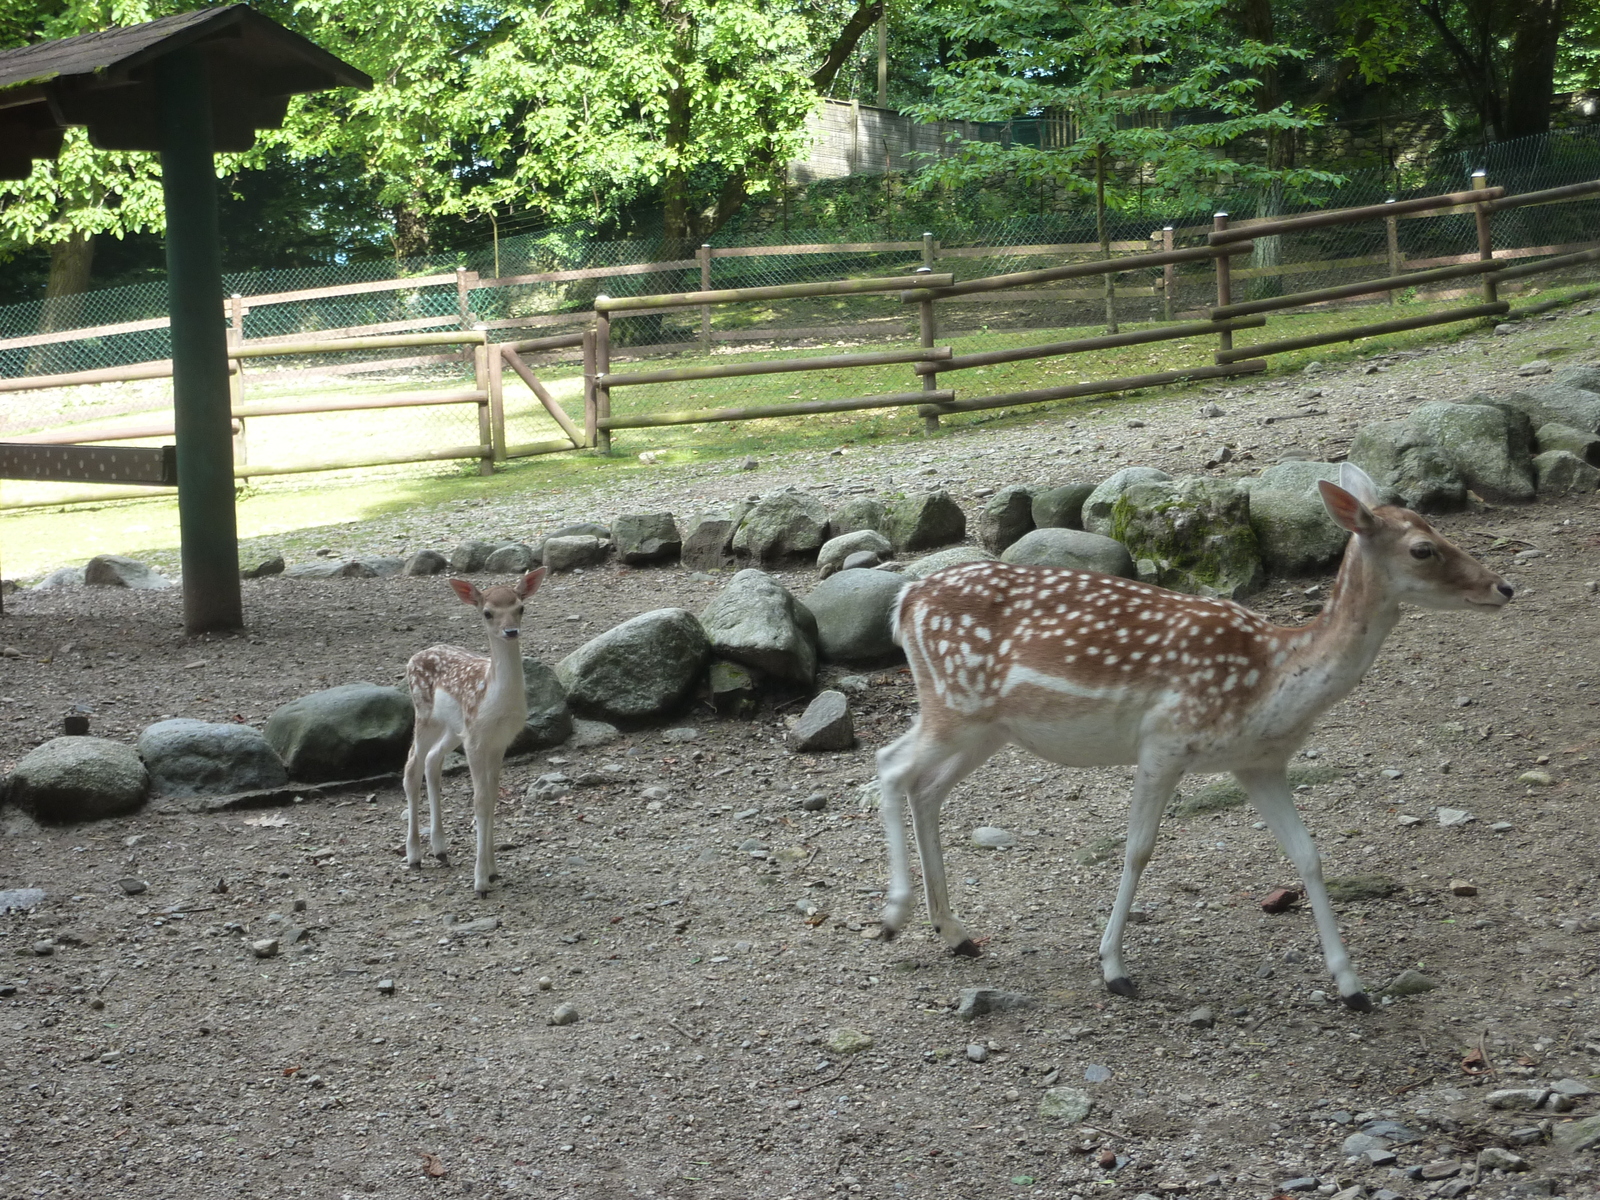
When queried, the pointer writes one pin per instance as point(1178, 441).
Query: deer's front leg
point(413, 790)
point(485, 792)
point(1269, 792)
point(1152, 788)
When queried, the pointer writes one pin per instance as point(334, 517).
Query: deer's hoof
point(967, 949)
point(1357, 1002)
point(1122, 986)
point(889, 933)
point(443, 856)
point(483, 893)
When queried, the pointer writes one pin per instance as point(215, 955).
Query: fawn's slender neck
point(505, 681)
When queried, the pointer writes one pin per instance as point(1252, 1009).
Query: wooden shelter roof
point(104, 81)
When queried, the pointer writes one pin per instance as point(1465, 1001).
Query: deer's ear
point(1347, 511)
point(529, 583)
point(467, 591)
point(1359, 484)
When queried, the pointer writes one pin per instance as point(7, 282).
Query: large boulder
point(330, 568)
point(79, 779)
point(825, 725)
point(186, 757)
point(512, 558)
point(113, 570)
point(1074, 549)
point(922, 567)
point(708, 539)
point(1293, 530)
point(926, 521)
point(862, 541)
point(1061, 507)
point(646, 667)
point(1556, 436)
point(857, 513)
point(470, 556)
point(426, 562)
point(643, 539)
point(1559, 472)
point(757, 622)
point(1491, 446)
point(61, 577)
point(1096, 511)
point(1402, 460)
point(1560, 401)
point(345, 732)
point(549, 720)
point(570, 552)
point(1006, 516)
point(852, 609)
point(781, 525)
point(1197, 532)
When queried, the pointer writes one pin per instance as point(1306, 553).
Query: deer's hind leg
point(1152, 788)
point(922, 767)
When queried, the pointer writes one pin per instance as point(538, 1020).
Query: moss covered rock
point(1196, 530)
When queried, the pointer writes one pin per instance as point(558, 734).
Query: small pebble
point(1460, 887)
point(564, 1014)
point(1449, 817)
point(386, 987)
point(44, 949)
point(977, 1052)
point(133, 887)
point(815, 802)
point(545, 983)
point(265, 948)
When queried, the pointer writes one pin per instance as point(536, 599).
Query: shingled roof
point(104, 81)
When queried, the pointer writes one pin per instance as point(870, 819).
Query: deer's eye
point(1422, 550)
point(488, 613)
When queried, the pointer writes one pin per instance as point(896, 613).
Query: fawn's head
point(1416, 562)
point(501, 606)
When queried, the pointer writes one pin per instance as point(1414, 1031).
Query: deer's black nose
point(1505, 589)
point(510, 633)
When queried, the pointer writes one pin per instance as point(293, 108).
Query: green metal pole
point(202, 421)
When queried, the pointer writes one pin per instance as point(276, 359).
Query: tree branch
point(868, 13)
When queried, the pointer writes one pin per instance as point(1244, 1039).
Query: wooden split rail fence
point(928, 361)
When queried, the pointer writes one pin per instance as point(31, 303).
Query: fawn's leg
point(1152, 788)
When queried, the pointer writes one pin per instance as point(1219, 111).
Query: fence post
point(1224, 268)
point(241, 447)
point(1392, 227)
point(461, 297)
point(927, 251)
point(497, 401)
point(590, 428)
point(704, 255)
point(1169, 275)
point(1480, 180)
point(928, 322)
point(602, 364)
point(480, 375)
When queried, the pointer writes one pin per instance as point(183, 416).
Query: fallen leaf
point(270, 821)
point(432, 1166)
point(1475, 1063)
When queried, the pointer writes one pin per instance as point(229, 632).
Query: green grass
point(293, 509)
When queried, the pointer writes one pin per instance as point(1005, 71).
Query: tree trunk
point(1532, 66)
point(1256, 23)
point(71, 263)
point(410, 232)
point(1475, 61)
point(676, 218)
point(1104, 234)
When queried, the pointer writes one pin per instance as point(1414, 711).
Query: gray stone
point(21, 899)
point(1065, 1104)
point(1575, 1136)
point(199, 758)
point(1490, 445)
point(1197, 531)
point(925, 521)
point(861, 560)
point(852, 610)
point(1061, 507)
point(1558, 401)
point(858, 513)
point(330, 568)
point(825, 725)
point(835, 551)
point(974, 1002)
point(345, 732)
point(1516, 1098)
point(1493, 1158)
point(1075, 549)
point(1451, 817)
point(991, 837)
point(1392, 1132)
point(645, 667)
point(1349, 889)
point(113, 570)
point(512, 558)
point(1302, 1183)
point(1585, 377)
point(584, 529)
point(79, 779)
point(1200, 1018)
point(1098, 504)
point(1294, 532)
point(549, 788)
point(570, 553)
point(922, 567)
point(644, 539)
point(265, 568)
point(1006, 516)
point(549, 721)
point(1409, 983)
point(61, 577)
point(1358, 1144)
point(588, 735)
point(977, 1052)
point(426, 562)
point(1558, 472)
point(781, 525)
point(1400, 458)
point(470, 556)
point(1538, 366)
point(756, 621)
point(1572, 1087)
point(708, 540)
point(845, 1040)
point(1555, 436)
point(563, 1014)
point(382, 567)
point(734, 688)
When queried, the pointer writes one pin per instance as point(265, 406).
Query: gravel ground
point(741, 1030)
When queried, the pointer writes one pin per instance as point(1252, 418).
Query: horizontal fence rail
point(783, 291)
point(932, 290)
point(1344, 216)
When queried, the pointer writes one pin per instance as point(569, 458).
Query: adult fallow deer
point(1089, 671)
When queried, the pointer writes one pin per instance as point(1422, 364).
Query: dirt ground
point(715, 944)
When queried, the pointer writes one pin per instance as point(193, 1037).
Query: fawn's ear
point(467, 591)
point(529, 583)
point(1359, 484)
point(1347, 511)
